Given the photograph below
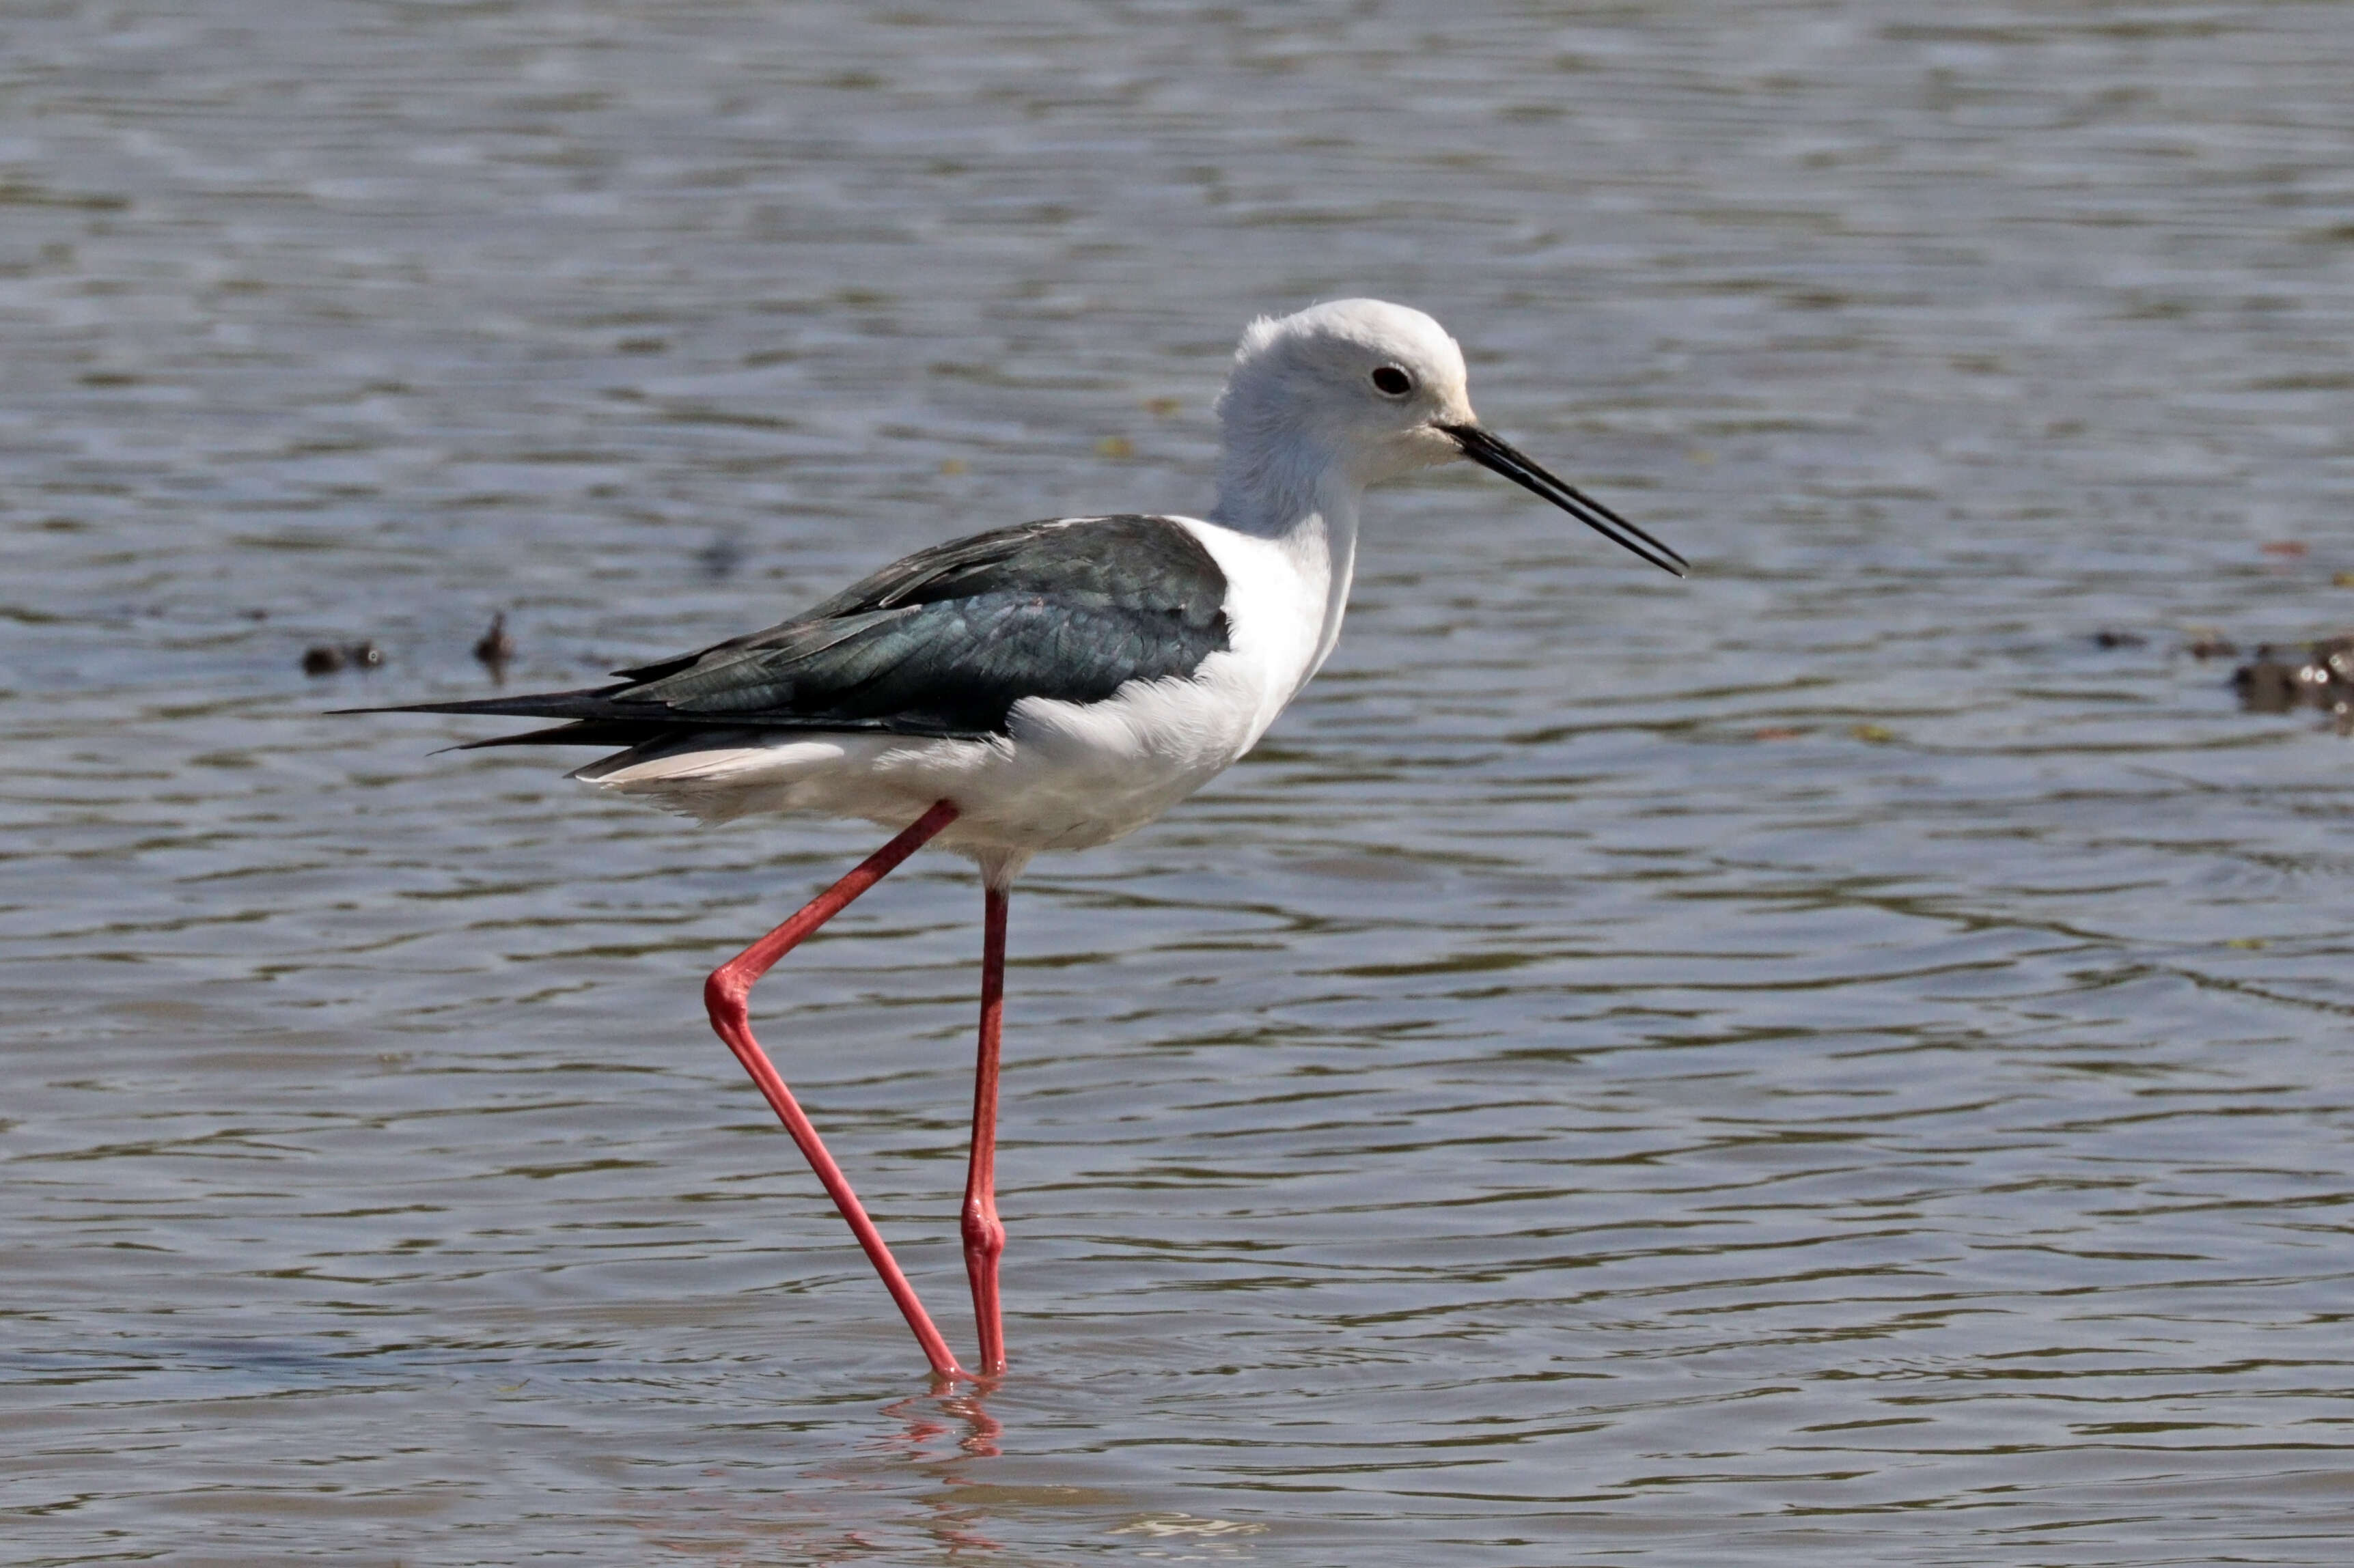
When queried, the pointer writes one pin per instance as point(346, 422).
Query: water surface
point(1824, 1063)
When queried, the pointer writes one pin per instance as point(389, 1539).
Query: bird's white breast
point(1083, 773)
point(1281, 614)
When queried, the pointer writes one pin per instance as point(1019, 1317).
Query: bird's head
point(1370, 391)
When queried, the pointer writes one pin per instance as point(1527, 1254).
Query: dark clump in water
point(721, 559)
point(2322, 676)
point(496, 648)
point(329, 658)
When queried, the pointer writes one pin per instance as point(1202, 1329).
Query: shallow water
point(1824, 1063)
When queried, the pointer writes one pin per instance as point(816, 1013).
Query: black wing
point(942, 643)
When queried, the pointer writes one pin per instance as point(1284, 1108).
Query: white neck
point(1267, 483)
point(1290, 497)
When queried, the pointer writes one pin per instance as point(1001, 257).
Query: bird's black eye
point(1389, 378)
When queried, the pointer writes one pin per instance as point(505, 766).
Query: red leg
point(984, 1236)
point(724, 996)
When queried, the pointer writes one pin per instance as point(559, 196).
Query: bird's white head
point(1352, 392)
point(1354, 386)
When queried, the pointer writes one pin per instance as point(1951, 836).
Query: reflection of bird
point(1052, 685)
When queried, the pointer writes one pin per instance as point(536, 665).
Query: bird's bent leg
point(984, 1236)
point(724, 996)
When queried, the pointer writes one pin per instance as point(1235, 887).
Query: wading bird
point(1049, 686)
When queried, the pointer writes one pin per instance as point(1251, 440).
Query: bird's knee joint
point(723, 996)
point(984, 1234)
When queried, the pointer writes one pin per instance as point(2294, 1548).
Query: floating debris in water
point(327, 658)
point(495, 648)
point(2322, 676)
point(720, 557)
point(2106, 638)
point(2266, 685)
point(2207, 645)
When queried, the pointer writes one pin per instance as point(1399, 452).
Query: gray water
point(1826, 1064)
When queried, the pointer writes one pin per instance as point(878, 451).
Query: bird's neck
point(1271, 480)
point(1310, 511)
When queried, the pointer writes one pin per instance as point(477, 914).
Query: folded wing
point(942, 643)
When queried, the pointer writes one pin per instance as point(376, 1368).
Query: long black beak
point(1491, 453)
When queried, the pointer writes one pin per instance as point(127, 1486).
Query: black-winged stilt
point(1048, 686)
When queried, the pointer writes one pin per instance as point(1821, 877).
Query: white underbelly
point(1069, 774)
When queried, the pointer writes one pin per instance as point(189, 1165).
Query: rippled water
point(1826, 1064)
